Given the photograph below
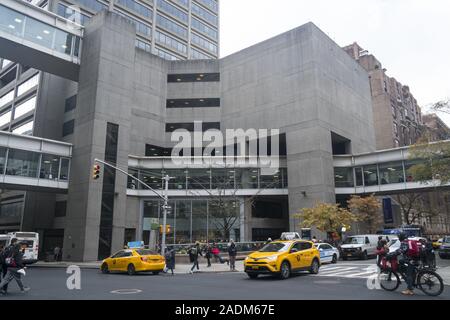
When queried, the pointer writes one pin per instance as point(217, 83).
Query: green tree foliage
point(367, 210)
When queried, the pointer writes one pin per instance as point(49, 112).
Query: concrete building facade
point(128, 102)
point(397, 116)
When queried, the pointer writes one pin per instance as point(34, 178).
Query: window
point(68, 127)
point(5, 62)
point(49, 167)
point(203, 43)
point(205, 29)
point(343, 177)
point(143, 45)
point(5, 118)
point(64, 172)
point(60, 208)
point(210, 4)
point(6, 98)
point(204, 14)
point(155, 151)
point(8, 77)
point(165, 55)
point(370, 176)
point(22, 163)
point(70, 104)
point(25, 107)
point(391, 173)
point(193, 103)
point(197, 55)
point(171, 42)
point(194, 77)
point(171, 26)
point(172, 10)
point(28, 85)
point(140, 27)
point(137, 7)
point(189, 126)
point(26, 129)
point(72, 15)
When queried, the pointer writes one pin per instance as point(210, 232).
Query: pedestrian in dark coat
point(208, 255)
point(170, 259)
point(15, 266)
point(232, 253)
point(194, 252)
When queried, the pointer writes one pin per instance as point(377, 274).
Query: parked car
point(132, 261)
point(444, 250)
point(328, 253)
point(361, 246)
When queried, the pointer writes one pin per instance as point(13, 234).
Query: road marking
point(344, 270)
point(126, 291)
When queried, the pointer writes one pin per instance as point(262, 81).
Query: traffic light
point(96, 172)
point(167, 228)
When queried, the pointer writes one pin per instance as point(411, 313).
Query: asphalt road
point(51, 284)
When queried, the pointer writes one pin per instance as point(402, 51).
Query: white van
point(32, 240)
point(361, 246)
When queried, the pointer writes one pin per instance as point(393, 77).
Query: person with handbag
point(15, 268)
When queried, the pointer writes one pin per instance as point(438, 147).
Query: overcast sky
point(411, 38)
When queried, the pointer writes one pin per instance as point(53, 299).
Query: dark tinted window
point(71, 103)
point(155, 151)
point(193, 103)
point(60, 208)
point(68, 127)
point(189, 126)
point(305, 245)
point(194, 77)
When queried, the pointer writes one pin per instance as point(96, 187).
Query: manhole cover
point(126, 291)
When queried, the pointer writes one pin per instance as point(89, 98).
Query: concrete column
point(104, 95)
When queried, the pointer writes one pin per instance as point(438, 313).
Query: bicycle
point(426, 279)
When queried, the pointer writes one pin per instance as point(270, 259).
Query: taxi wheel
point(335, 259)
point(131, 269)
point(285, 270)
point(104, 268)
point(314, 267)
point(365, 256)
point(156, 272)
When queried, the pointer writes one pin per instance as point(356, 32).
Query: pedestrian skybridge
point(380, 172)
point(40, 39)
point(35, 164)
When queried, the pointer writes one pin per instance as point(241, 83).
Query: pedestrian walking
point(194, 252)
point(207, 251)
point(56, 252)
point(15, 268)
point(5, 254)
point(232, 253)
point(170, 260)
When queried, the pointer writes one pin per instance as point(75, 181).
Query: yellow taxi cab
point(437, 243)
point(134, 260)
point(282, 258)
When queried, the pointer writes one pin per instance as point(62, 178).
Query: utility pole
point(166, 207)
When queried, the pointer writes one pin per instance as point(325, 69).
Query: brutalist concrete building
point(128, 102)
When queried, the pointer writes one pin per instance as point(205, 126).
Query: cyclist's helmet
point(402, 236)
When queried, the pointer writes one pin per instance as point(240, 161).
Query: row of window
point(193, 103)
point(204, 14)
point(93, 4)
point(137, 7)
point(143, 45)
point(374, 175)
point(171, 26)
point(166, 55)
point(174, 11)
point(171, 42)
point(189, 126)
point(27, 28)
point(209, 179)
point(203, 43)
point(207, 30)
point(140, 27)
point(197, 55)
point(210, 4)
point(14, 162)
point(72, 15)
point(193, 77)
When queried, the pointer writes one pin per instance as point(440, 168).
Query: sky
point(411, 38)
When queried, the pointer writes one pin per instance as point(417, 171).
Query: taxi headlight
point(272, 258)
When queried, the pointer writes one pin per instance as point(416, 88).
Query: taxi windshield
point(275, 247)
point(446, 240)
point(354, 240)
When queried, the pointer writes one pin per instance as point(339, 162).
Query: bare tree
point(414, 207)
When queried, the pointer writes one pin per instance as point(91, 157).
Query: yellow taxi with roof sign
point(282, 258)
point(134, 260)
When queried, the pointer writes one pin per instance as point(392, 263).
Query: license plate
point(255, 268)
point(349, 254)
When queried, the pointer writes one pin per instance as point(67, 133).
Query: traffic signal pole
point(164, 197)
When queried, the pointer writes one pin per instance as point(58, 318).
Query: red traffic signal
point(96, 172)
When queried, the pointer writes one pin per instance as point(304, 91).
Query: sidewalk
point(179, 268)
point(445, 274)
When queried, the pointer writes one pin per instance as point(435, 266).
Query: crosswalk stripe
point(344, 270)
